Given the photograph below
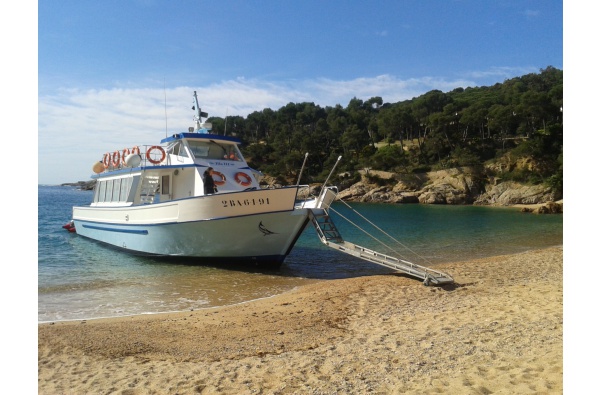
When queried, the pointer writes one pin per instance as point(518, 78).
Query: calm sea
point(81, 279)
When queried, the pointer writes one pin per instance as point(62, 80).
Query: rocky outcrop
point(463, 185)
point(452, 186)
point(83, 185)
point(510, 193)
point(548, 208)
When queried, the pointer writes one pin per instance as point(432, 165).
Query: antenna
point(165, 90)
point(302, 169)
point(331, 172)
point(200, 127)
point(226, 114)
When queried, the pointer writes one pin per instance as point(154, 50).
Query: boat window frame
point(116, 190)
point(102, 192)
point(109, 189)
point(125, 185)
point(165, 184)
point(234, 153)
point(199, 149)
point(96, 191)
point(209, 149)
point(178, 149)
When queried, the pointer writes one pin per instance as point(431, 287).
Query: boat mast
point(200, 127)
point(302, 169)
point(331, 172)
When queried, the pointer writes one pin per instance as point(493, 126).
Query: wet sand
point(498, 329)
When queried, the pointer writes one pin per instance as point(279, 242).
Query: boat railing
point(145, 156)
point(307, 199)
point(155, 155)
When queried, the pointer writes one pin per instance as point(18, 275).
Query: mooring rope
point(361, 229)
point(381, 230)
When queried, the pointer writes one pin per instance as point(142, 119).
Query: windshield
point(214, 150)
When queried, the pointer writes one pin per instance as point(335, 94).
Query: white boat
point(150, 200)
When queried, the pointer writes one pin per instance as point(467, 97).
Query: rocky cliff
point(463, 185)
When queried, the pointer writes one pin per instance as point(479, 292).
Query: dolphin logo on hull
point(264, 230)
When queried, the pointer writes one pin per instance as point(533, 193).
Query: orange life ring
point(125, 153)
point(106, 160)
point(243, 179)
point(135, 150)
point(116, 156)
point(223, 179)
point(162, 153)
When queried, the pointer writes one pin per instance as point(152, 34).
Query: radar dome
point(133, 160)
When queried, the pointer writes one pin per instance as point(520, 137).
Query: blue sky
point(113, 74)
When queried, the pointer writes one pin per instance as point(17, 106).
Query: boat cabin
point(172, 170)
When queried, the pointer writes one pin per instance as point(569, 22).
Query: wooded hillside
point(518, 119)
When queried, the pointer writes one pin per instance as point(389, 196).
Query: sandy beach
point(497, 330)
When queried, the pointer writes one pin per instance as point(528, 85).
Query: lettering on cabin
point(245, 202)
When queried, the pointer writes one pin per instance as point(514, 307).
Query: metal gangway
point(331, 237)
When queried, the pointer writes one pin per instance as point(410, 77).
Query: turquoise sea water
point(81, 279)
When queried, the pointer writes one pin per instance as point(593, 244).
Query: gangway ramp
point(331, 237)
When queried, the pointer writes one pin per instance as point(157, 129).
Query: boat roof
point(205, 136)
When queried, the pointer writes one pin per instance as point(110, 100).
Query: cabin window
point(125, 184)
point(199, 149)
point(96, 191)
point(133, 187)
point(179, 150)
point(150, 185)
point(116, 190)
point(109, 189)
point(102, 192)
point(211, 150)
point(232, 153)
point(165, 185)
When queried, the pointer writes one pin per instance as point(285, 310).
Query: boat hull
point(255, 226)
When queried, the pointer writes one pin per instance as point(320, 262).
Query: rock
point(83, 185)
point(549, 208)
point(432, 197)
point(355, 192)
point(406, 198)
point(311, 191)
point(510, 192)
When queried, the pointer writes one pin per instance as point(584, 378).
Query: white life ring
point(106, 160)
point(220, 175)
point(159, 149)
point(243, 179)
point(124, 155)
point(116, 158)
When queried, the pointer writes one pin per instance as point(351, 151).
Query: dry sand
point(497, 330)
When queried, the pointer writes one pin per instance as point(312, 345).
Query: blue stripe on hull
point(135, 231)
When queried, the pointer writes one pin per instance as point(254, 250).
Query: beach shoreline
point(498, 329)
